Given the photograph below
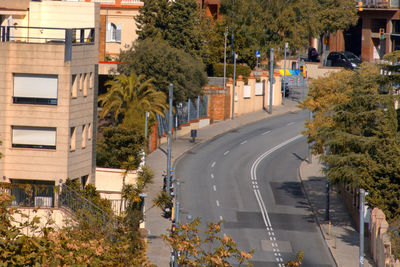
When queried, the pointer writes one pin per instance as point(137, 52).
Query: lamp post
point(284, 73)
point(171, 92)
point(233, 36)
point(233, 86)
point(225, 35)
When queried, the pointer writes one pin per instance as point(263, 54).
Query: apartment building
point(48, 96)
point(364, 38)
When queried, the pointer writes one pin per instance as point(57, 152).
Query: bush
point(217, 70)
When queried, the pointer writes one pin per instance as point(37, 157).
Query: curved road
point(249, 178)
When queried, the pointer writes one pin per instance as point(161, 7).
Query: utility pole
point(225, 35)
point(233, 36)
point(171, 93)
point(146, 116)
point(361, 209)
point(271, 79)
point(233, 86)
point(310, 117)
point(284, 73)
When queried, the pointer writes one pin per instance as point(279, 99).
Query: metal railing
point(30, 195)
point(68, 37)
point(82, 207)
point(380, 3)
point(297, 87)
point(186, 112)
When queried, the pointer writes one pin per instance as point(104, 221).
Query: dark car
point(343, 59)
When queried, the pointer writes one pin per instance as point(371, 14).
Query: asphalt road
point(249, 179)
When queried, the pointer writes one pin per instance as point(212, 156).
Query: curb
point(314, 212)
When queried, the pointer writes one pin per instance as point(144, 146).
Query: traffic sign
point(258, 54)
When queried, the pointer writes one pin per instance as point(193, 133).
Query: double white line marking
point(260, 201)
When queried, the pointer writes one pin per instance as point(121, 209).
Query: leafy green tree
point(28, 243)
point(323, 95)
point(157, 59)
point(265, 24)
point(116, 146)
point(176, 22)
point(205, 248)
point(356, 119)
point(128, 97)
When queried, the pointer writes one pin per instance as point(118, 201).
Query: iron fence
point(295, 87)
point(186, 112)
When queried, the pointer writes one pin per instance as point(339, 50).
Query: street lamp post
point(284, 73)
point(225, 35)
point(171, 92)
point(233, 86)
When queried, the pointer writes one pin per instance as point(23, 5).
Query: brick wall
point(218, 104)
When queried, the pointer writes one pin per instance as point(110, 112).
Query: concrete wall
point(243, 104)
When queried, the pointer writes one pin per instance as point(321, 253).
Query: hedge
point(217, 70)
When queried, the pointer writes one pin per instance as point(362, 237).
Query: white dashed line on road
point(244, 142)
point(215, 188)
point(267, 132)
point(220, 218)
point(213, 164)
point(226, 153)
point(290, 123)
point(217, 203)
point(212, 176)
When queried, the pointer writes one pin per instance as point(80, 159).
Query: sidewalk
point(343, 240)
point(158, 252)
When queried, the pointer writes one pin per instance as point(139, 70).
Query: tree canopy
point(265, 24)
point(155, 58)
point(176, 22)
point(354, 116)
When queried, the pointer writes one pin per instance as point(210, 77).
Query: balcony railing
point(380, 3)
point(69, 37)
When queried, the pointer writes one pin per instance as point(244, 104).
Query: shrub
point(217, 70)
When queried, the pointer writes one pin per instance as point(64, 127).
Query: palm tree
point(129, 97)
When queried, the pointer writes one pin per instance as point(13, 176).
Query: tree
point(323, 95)
point(27, 243)
point(157, 59)
point(129, 97)
point(117, 145)
point(261, 25)
point(173, 21)
point(360, 130)
point(210, 250)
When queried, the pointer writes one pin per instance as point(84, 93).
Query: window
point(84, 135)
point(72, 145)
point(90, 131)
point(85, 83)
point(41, 193)
point(113, 32)
point(35, 89)
point(81, 80)
point(34, 137)
point(91, 80)
point(74, 89)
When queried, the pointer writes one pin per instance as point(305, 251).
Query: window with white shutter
point(34, 137)
point(38, 89)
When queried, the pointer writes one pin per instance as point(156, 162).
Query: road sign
point(258, 54)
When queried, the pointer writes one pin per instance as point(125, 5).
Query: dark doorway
point(352, 39)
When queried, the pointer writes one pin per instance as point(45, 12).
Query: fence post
point(188, 111)
point(8, 33)
point(198, 107)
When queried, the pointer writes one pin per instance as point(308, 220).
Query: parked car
point(344, 59)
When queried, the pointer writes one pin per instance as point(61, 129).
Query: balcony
point(380, 4)
point(44, 35)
